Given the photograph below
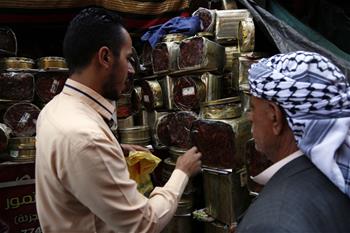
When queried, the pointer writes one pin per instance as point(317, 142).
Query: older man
point(300, 112)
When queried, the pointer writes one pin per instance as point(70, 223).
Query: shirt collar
point(104, 107)
point(266, 175)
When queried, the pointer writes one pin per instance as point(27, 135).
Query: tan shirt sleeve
point(98, 177)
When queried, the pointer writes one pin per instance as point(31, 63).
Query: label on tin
point(188, 91)
point(54, 86)
point(146, 98)
point(24, 119)
point(14, 153)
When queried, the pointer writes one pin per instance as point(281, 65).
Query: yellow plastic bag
point(141, 164)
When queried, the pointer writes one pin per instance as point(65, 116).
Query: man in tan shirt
point(82, 181)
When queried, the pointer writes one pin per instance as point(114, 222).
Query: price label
point(146, 98)
point(188, 91)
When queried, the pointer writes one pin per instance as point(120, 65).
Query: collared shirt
point(266, 175)
point(82, 180)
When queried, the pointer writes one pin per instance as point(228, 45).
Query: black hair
point(90, 30)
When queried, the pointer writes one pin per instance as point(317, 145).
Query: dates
point(215, 140)
point(16, 86)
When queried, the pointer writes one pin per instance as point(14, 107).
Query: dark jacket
point(298, 198)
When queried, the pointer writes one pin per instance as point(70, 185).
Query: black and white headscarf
point(316, 98)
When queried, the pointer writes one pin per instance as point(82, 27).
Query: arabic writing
point(15, 202)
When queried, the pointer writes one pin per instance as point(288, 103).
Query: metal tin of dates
point(16, 63)
point(52, 63)
point(153, 118)
point(185, 206)
point(135, 133)
point(167, 85)
point(22, 149)
point(152, 95)
point(4, 136)
point(21, 118)
point(201, 54)
point(136, 99)
point(8, 42)
point(174, 37)
point(241, 126)
point(189, 92)
point(227, 22)
point(245, 61)
point(124, 106)
point(140, 142)
point(234, 196)
point(146, 55)
point(164, 57)
point(222, 109)
point(127, 122)
point(230, 84)
point(176, 152)
point(49, 84)
point(16, 86)
point(213, 85)
point(246, 35)
point(232, 54)
point(207, 18)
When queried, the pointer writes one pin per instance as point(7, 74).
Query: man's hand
point(129, 147)
point(190, 162)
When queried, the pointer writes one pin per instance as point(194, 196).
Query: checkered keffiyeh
point(316, 98)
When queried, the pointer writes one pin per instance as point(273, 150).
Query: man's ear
point(277, 117)
point(104, 57)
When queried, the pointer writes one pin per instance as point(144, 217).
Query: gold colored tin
point(46, 63)
point(172, 54)
point(134, 133)
point(154, 118)
point(167, 85)
point(232, 53)
point(227, 22)
point(212, 58)
point(207, 18)
point(245, 61)
point(17, 63)
point(246, 35)
point(226, 197)
point(126, 122)
point(22, 149)
point(176, 152)
point(241, 127)
point(213, 85)
point(156, 100)
point(227, 108)
point(173, 37)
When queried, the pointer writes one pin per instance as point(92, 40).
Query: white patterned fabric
point(315, 96)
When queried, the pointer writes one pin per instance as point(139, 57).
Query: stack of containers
point(224, 155)
point(189, 86)
point(23, 82)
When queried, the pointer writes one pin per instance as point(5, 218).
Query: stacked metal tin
point(25, 84)
point(193, 91)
